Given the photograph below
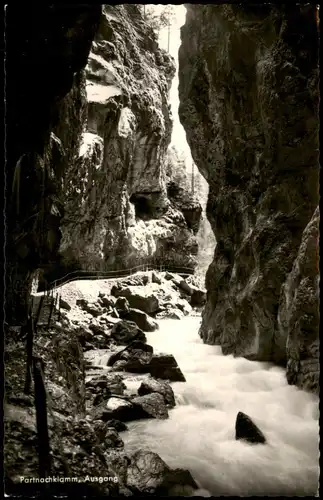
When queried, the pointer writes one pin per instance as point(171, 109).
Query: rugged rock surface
point(126, 331)
point(247, 430)
point(134, 353)
point(299, 312)
point(159, 386)
point(164, 366)
point(149, 474)
point(56, 40)
point(142, 298)
point(117, 210)
point(142, 319)
point(87, 407)
point(249, 103)
point(126, 410)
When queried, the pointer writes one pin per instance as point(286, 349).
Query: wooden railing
point(117, 273)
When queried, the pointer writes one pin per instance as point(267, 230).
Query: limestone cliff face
point(117, 209)
point(299, 309)
point(47, 48)
point(249, 104)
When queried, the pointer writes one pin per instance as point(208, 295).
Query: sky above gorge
point(178, 135)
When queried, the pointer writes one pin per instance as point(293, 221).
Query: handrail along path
point(81, 274)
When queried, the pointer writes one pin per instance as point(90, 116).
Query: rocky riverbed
point(100, 373)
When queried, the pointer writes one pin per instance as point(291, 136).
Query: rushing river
point(200, 432)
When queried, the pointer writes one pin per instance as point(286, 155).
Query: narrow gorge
point(132, 366)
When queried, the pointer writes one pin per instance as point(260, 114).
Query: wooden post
point(59, 307)
point(41, 417)
point(40, 305)
point(52, 305)
point(29, 351)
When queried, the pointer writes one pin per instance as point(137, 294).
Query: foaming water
point(200, 432)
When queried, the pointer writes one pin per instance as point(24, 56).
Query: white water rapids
point(200, 432)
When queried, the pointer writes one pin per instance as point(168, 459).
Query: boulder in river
point(126, 410)
point(137, 350)
point(117, 425)
point(152, 404)
point(106, 380)
point(107, 433)
point(170, 313)
point(119, 366)
point(142, 319)
point(164, 366)
point(125, 331)
point(148, 474)
point(115, 408)
point(122, 305)
point(247, 430)
point(112, 439)
point(135, 366)
point(161, 387)
point(138, 297)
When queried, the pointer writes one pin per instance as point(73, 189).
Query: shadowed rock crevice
point(56, 40)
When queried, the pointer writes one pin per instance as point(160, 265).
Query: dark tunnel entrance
point(143, 206)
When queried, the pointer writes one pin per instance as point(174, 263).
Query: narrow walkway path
point(117, 273)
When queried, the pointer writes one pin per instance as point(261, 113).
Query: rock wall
point(249, 103)
point(117, 209)
point(46, 49)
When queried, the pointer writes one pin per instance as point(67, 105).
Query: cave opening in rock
point(143, 208)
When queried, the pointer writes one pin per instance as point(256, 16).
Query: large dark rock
point(116, 409)
point(153, 404)
point(126, 331)
point(126, 410)
point(138, 297)
point(252, 123)
point(161, 387)
point(107, 301)
point(110, 381)
point(135, 366)
point(142, 319)
point(117, 425)
point(107, 433)
point(148, 474)
point(198, 297)
point(136, 351)
point(122, 305)
point(64, 304)
point(247, 430)
point(93, 308)
point(164, 366)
